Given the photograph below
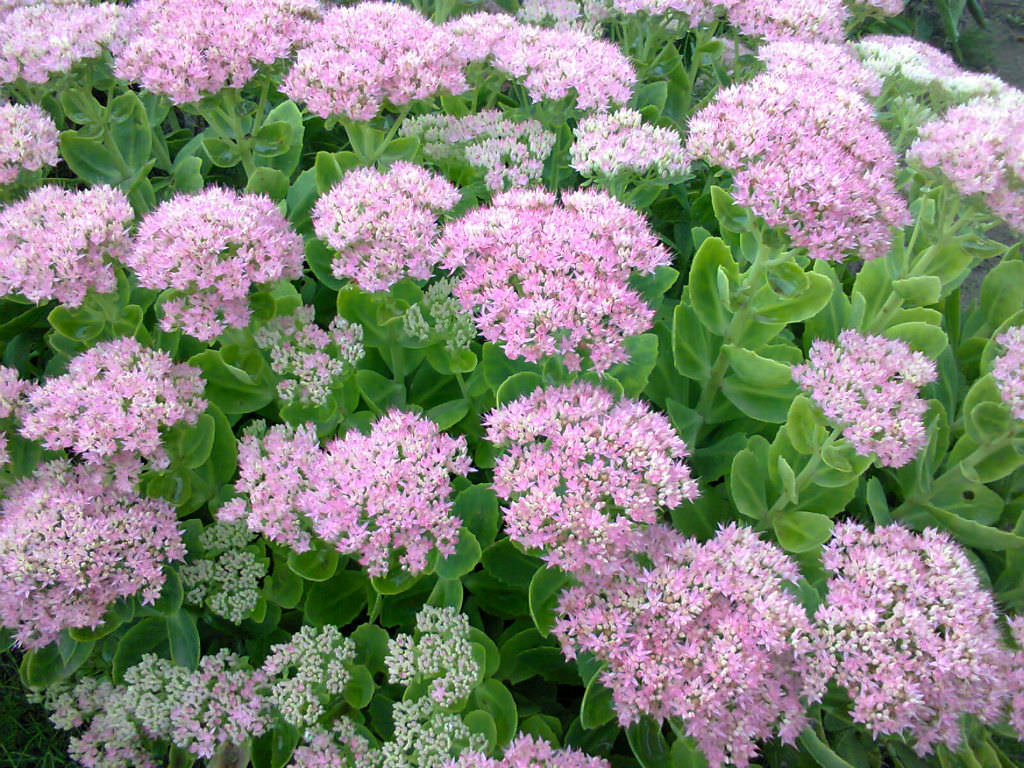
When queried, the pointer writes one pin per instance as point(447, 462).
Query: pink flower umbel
point(836, 63)
point(362, 55)
point(528, 751)
point(28, 140)
point(1016, 676)
point(274, 468)
point(115, 399)
point(384, 226)
point(869, 386)
point(549, 279)
point(820, 20)
point(50, 38)
point(386, 497)
point(1008, 369)
point(186, 49)
point(979, 147)
point(214, 247)
point(619, 142)
point(806, 155)
point(71, 544)
point(583, 471)
point(913, 632)
point(60, 244)
point(706, 633)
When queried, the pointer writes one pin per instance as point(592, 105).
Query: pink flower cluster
point(914, 633)
point(706, 633)
point(28, 140)
point(510, 153)
point(365, 55)
point(820, 20)
point(611, 143)
point(806, 155)
point(835, 63)
point(214, 246)
point(923, 65)
point(551, 63)
point(115, 399)
point(384, 226)
point(697, 12)
point(309, 360)
point(12, 394)
point(1008, 369)
point(869, 386)
point(551, 279)
point(274, 469)
point(979, 147)
point(186, 49)
point(385, 496)
point(50, 38)
point(582, 470)
point(71, 544)
point(528, 751)
point(1015, 682)
point(60, 244)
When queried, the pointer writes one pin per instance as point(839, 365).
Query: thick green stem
point(804, 477)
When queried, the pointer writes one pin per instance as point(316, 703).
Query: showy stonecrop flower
point(620, 142)
point(913, 632)
point(310, 361)
point(12, 397)
point(28, 140)
point(187, 49)
point(836, 63)
point(869, 386)
point(551, 64)
point(425, 736)
point(340, 747)
point(274, 470)
point(703, 632)
point(60, 244)
point(548, 279)
point(820, 20)
point(924, 67)
point(439, 656)
point(213, 247)
point(439, 316)
point(979, 148)
point(304, 674)
point(108, 737)
point(806, 155)
point(1008, 369)
point(881, 7)
point(527, 751)
point(116, 398)
point(383, 227)
point(1016, 677)
point(582, 471)
point(71, 544)
point(510, 153)
point(385, 497)
point(47, 39)
point(226, 578)
point(365, 55)
point(220, 702)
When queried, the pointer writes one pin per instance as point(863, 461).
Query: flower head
point(820, 20)
point(115, 398)
point(386, 496)
point(60, 244)
point(806, 155)
point(365, 55)
point(528, 751)
point(438, 315)
point(214, 246)
point(979, 148)
point(706, 633)
point(226, 578)
point(49, 38)
point(619, 142)
point(913, 632)
point(836, 63)
point(28, 140)
point(549, 279)
point(71, 543)
point(309, 360)
point(582, 470)
point(440, 653)
point(869, 385)
point(383, 226)
point(186, 49)
point(1008, 369)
